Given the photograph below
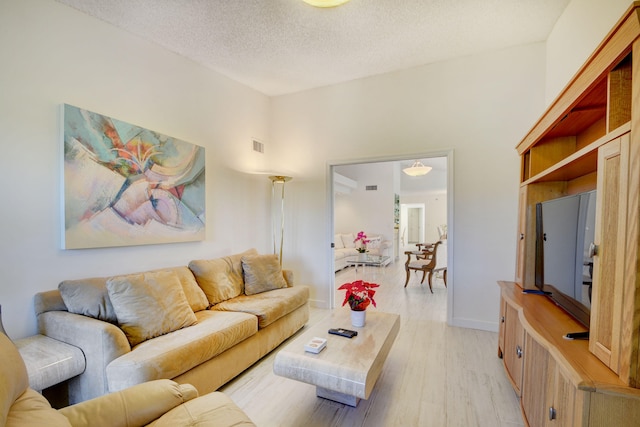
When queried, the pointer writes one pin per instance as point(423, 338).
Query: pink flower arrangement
point(362, 246)
point(359, 294)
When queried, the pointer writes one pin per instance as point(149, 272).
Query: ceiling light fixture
point(417, 169)
point(325, 3)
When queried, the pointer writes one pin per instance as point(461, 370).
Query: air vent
point(258, 146)
point(371, 188)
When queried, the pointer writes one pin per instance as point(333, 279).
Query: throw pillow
point(262, 273)
point(337, 242)
point(150, 304)
point(88, 297)
point(221, 278)
point(348, 240)
point(195, 296)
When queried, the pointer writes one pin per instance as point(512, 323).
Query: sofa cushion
point(149, 304)
point(212, 409)
point(262, 273)
point(337, 241)
point(173, 354)
point(268, 306)
point(220, 278)
point(348, 240)
point(88, 297)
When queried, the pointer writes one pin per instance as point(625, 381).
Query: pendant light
point(417, 169)
point(325, 3)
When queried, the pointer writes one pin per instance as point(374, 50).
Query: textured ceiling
point(285, 46)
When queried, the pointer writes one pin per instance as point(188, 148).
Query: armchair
point(425, 261)
point(156, 403)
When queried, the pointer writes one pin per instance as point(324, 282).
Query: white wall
point(52, 54)
point(479, 106)
point(577, 33)
point(362, 210)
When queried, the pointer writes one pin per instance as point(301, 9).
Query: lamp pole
point(278, 179)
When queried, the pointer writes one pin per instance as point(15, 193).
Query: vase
point(358, 318)
point(362, 256)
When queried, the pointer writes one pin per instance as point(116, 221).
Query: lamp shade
point(417, 169)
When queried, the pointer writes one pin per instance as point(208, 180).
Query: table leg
point(337, 396)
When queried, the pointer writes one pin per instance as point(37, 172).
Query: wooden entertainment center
point(588, 139)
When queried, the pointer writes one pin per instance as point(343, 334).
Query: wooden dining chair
point(425, 261)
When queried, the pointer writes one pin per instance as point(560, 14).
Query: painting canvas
point(125, 185)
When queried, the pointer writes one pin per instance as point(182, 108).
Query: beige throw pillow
point(262, 273)
point(150, 304)
point(220, 278)
point(195, 296)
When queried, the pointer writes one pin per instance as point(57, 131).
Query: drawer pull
point(519, 351)
point(552, 413)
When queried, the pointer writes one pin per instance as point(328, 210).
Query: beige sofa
point(155, 403)
point(202, 324)
point(344, 246)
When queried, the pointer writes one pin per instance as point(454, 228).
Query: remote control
point(343, 332)
point(577, 336)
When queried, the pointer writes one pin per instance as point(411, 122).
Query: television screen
point(564, 268)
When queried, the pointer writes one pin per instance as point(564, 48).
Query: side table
point(49, 362)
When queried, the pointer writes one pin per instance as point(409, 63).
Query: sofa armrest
point(135, 406)
point(101, 342)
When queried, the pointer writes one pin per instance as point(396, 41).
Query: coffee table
point(366, 259)
point(347, 369)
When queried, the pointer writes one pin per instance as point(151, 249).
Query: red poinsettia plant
point(359, 294)
point(362, 245)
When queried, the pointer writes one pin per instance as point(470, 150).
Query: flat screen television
point(564, 267)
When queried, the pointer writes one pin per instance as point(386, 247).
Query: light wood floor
point(435, 375)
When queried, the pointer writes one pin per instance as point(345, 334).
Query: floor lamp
point(277, 179)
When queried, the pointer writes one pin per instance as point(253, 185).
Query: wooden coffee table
point(348, 368)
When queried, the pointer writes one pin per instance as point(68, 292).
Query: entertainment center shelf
point(588, 139)
point(579, 164)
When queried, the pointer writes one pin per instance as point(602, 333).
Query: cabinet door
point(513, 347)
point(529, 196)
point(561, 398)
point(608, 265)
point(522, 230)
point(548, 396)
point(501, 324)
point(535, 383)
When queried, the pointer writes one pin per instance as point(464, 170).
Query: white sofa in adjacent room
point(345, 246)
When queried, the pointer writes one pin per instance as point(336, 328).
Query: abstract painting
point(125, 185)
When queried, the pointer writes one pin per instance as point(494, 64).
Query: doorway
point(400, 231)
point(412, 220)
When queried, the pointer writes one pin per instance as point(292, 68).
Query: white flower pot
point(358, 318)
point(362, 256)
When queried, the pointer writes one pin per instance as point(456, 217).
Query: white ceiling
point(435, 182)
point(285, 46)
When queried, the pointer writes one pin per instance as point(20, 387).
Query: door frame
point(331, 164)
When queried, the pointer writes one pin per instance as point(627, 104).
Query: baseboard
point(474, 324)
point(316, 303)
